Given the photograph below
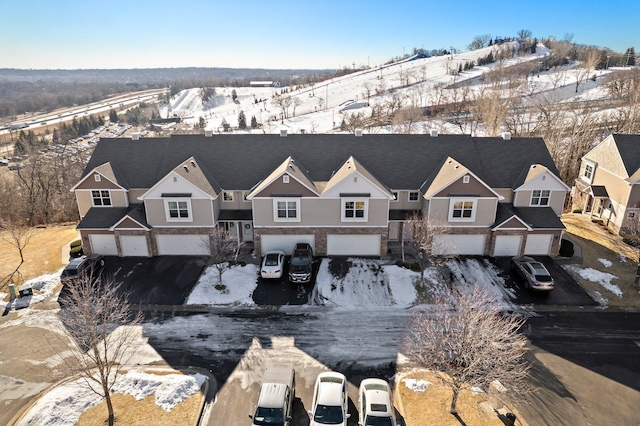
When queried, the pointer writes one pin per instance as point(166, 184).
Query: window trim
point(591, 173)
point(101, 197)
point(396, 195)
point(540, 197)
point(224, 196)
point(97, 177)
point(343, 209)
point(286, 219)
point(167, 209)
point(474, 208)
point(417, 194)
point(285, 178)
point(245, 194)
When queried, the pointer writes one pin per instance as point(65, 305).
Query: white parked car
point(330, 400)
point(272, 265)
point(374, 404)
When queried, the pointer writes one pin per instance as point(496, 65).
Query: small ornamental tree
point(419, 237)
point(224, 251)
point(18, 237)
point(466, 339)
point(100, 323)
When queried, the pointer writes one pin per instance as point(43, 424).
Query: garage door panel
point(538, 244)
point(134, 245)
point(104, 244)
point(286, 243)
point(459, 244)
point(183, 244)
point(507, 245)
point(353, 245)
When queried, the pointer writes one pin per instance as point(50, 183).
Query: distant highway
point(54, 118)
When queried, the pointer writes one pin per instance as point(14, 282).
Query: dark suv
point(90, 265)
point(301, 263)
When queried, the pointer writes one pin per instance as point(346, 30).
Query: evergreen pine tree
point(254, 122)
point(113, 116)
point(242, 121)
point(234, 95)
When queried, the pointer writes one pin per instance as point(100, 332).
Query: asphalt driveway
point(567, 291)
point(165, 280)
point(280, 291)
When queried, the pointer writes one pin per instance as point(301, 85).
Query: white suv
point(330, 400)
point(374, 403)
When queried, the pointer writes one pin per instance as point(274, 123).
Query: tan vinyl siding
point(85, 200)
point(403, 202)
point(485, 212)
point(507, 193)
point(238, 202)
point(134, 194)
point(556, 200)
point(200, 211)
point(474, 187)
point(320, 212)
point(91, 183)
point(278, 187)
point(617, 188)
point(634, 197)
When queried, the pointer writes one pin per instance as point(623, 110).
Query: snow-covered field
point(320, 108)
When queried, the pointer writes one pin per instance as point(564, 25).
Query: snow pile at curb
point(42, 288)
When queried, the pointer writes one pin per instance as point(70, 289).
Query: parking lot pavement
point(282, 292)
point(165, 280)
point(567, 292)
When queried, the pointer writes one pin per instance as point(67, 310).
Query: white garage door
point(286, 243)
point(538, 244)
point(103, 244)
point(459, 244)
point(183, 244)
point(353, 245)
point(134, 245)
point(507, 245)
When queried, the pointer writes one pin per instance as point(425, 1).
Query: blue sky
point(70, 34)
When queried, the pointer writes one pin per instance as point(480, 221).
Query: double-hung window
point(178, 211)
point(286, 210)
point(101, 198)
point(540, 197)
point(462, 210)
point(588, 171)
point(354, 210)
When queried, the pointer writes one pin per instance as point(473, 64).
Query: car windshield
point(70, 272)
point(271, 260)
point(299, 261)
point(328, 415)
point(377, 421)
point(268, 416)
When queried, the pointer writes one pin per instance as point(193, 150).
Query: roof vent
point(193, 163)
point(433, 133)
point(135, 136)
point(186, 169)
point(283, 133)
point(506, 136)
point(208, 133)
point(358, 133)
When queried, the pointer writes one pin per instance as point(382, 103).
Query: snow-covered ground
point(64, 404)
point(320, 107)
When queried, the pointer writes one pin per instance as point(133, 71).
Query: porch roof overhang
point(598, 191)
point(235, 215)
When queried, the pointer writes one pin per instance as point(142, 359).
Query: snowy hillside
point(320, 108)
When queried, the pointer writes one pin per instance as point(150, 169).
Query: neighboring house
point(343, 194)
point(608, 185)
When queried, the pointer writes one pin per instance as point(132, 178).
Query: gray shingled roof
point(535, 217)
point(629, 148)
point(100, 217)
point(399, 161)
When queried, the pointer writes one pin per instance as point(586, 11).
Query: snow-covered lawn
point(64, 404)
point(599, 277)
point(239, 283)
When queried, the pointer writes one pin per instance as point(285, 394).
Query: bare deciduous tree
point(368, 88)
point(479, 41)
point(16, 236)
point(100, 323)
point(406, 117)
point(283, 102)
point(224, 251)
point(470, 343)
point(419, 235)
